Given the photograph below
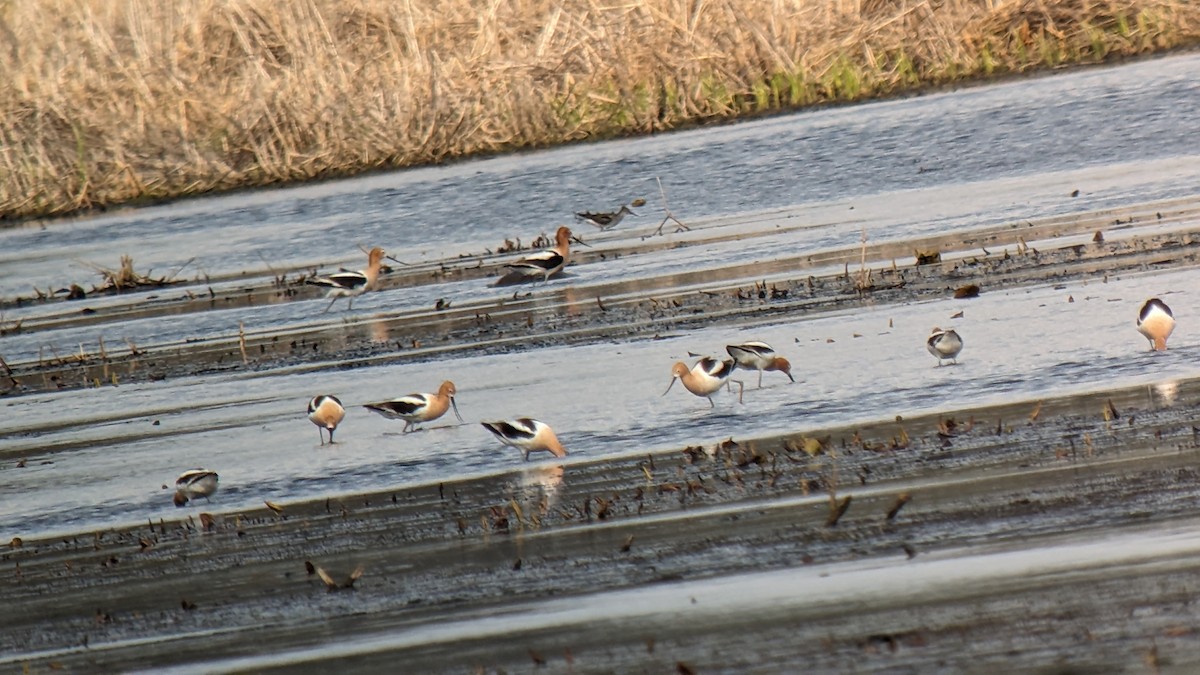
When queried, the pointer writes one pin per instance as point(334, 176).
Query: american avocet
point(705, 378)
point(604, 221)
point(1156, 322)
point(348, 284)
point(527, 435)
point(944, 344)
point(418, 407)
point(759, 356)
point(326, 412)
point(193, 484)
point(548, 262)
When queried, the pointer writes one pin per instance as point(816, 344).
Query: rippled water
point(897, 170)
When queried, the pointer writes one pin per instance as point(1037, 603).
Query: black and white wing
point(717, 368)
point(750, 351)
point(1152, 305)
point(515, 431)
point(344, 280)
point(539, 263)
point(398, 408)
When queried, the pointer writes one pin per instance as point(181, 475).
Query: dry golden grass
point(111, 101)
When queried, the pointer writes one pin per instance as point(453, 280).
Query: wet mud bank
point(583, 308)
point(1037, 533)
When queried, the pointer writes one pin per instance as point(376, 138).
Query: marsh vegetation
point(113, 103)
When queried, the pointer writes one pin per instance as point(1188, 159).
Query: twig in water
point(167, 279)
point(8, 372)
point(836, 509)
point(104, 357)
point(667, 210)
point(242, 342)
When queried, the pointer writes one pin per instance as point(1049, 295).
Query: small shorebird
point(604, 221)
point(348, 284)
point(418, 407)
point(705, 378)
point(944, 344)
point(193, 484)
point(1156, 322)
point(527, 435)
point(759, 356)
point(548, 262)
point(326, 412)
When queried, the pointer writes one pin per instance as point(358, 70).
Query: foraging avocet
point(944, 344)
point(193, 484)
point(418, 407)
point(1156, 322)
point(606, 220)
point(527, 435)
point(348, 284)
point(759, 356)
point(326, 412)
point(548, 262)
point(705, 378)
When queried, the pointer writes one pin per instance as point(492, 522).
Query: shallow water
point(933, 165)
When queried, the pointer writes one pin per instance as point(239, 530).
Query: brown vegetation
point(109, 102)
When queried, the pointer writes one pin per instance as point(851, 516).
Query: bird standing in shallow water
point(193, 484)
point(548, 262)
point(705, 378)
point(347, 284)
point(527, 435)
point(1156, 322)
point(605, 221)
point(944, 344)
point(759, 356)
point(326, 412)
point(418, 407)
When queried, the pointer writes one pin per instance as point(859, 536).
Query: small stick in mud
point(9, 373)
point(242, 342)
point(863, 283)
point(104, 356)
point(332, 584)
point(901, 499)
point(1110, 411)
point(837, 509)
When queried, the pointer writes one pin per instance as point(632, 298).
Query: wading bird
point(193, 484)
point(416, 408)
point(944, 344)
point(527, 435)
point(759, 356)
point(348, 284)
point(604, 221)
point(326, 412)
point(705, 378)
point(1156, 322)
point(548, 262)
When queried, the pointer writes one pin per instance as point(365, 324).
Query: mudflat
point(1048, 531)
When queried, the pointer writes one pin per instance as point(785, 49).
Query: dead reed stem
point(242, 343)
point(110, 102)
